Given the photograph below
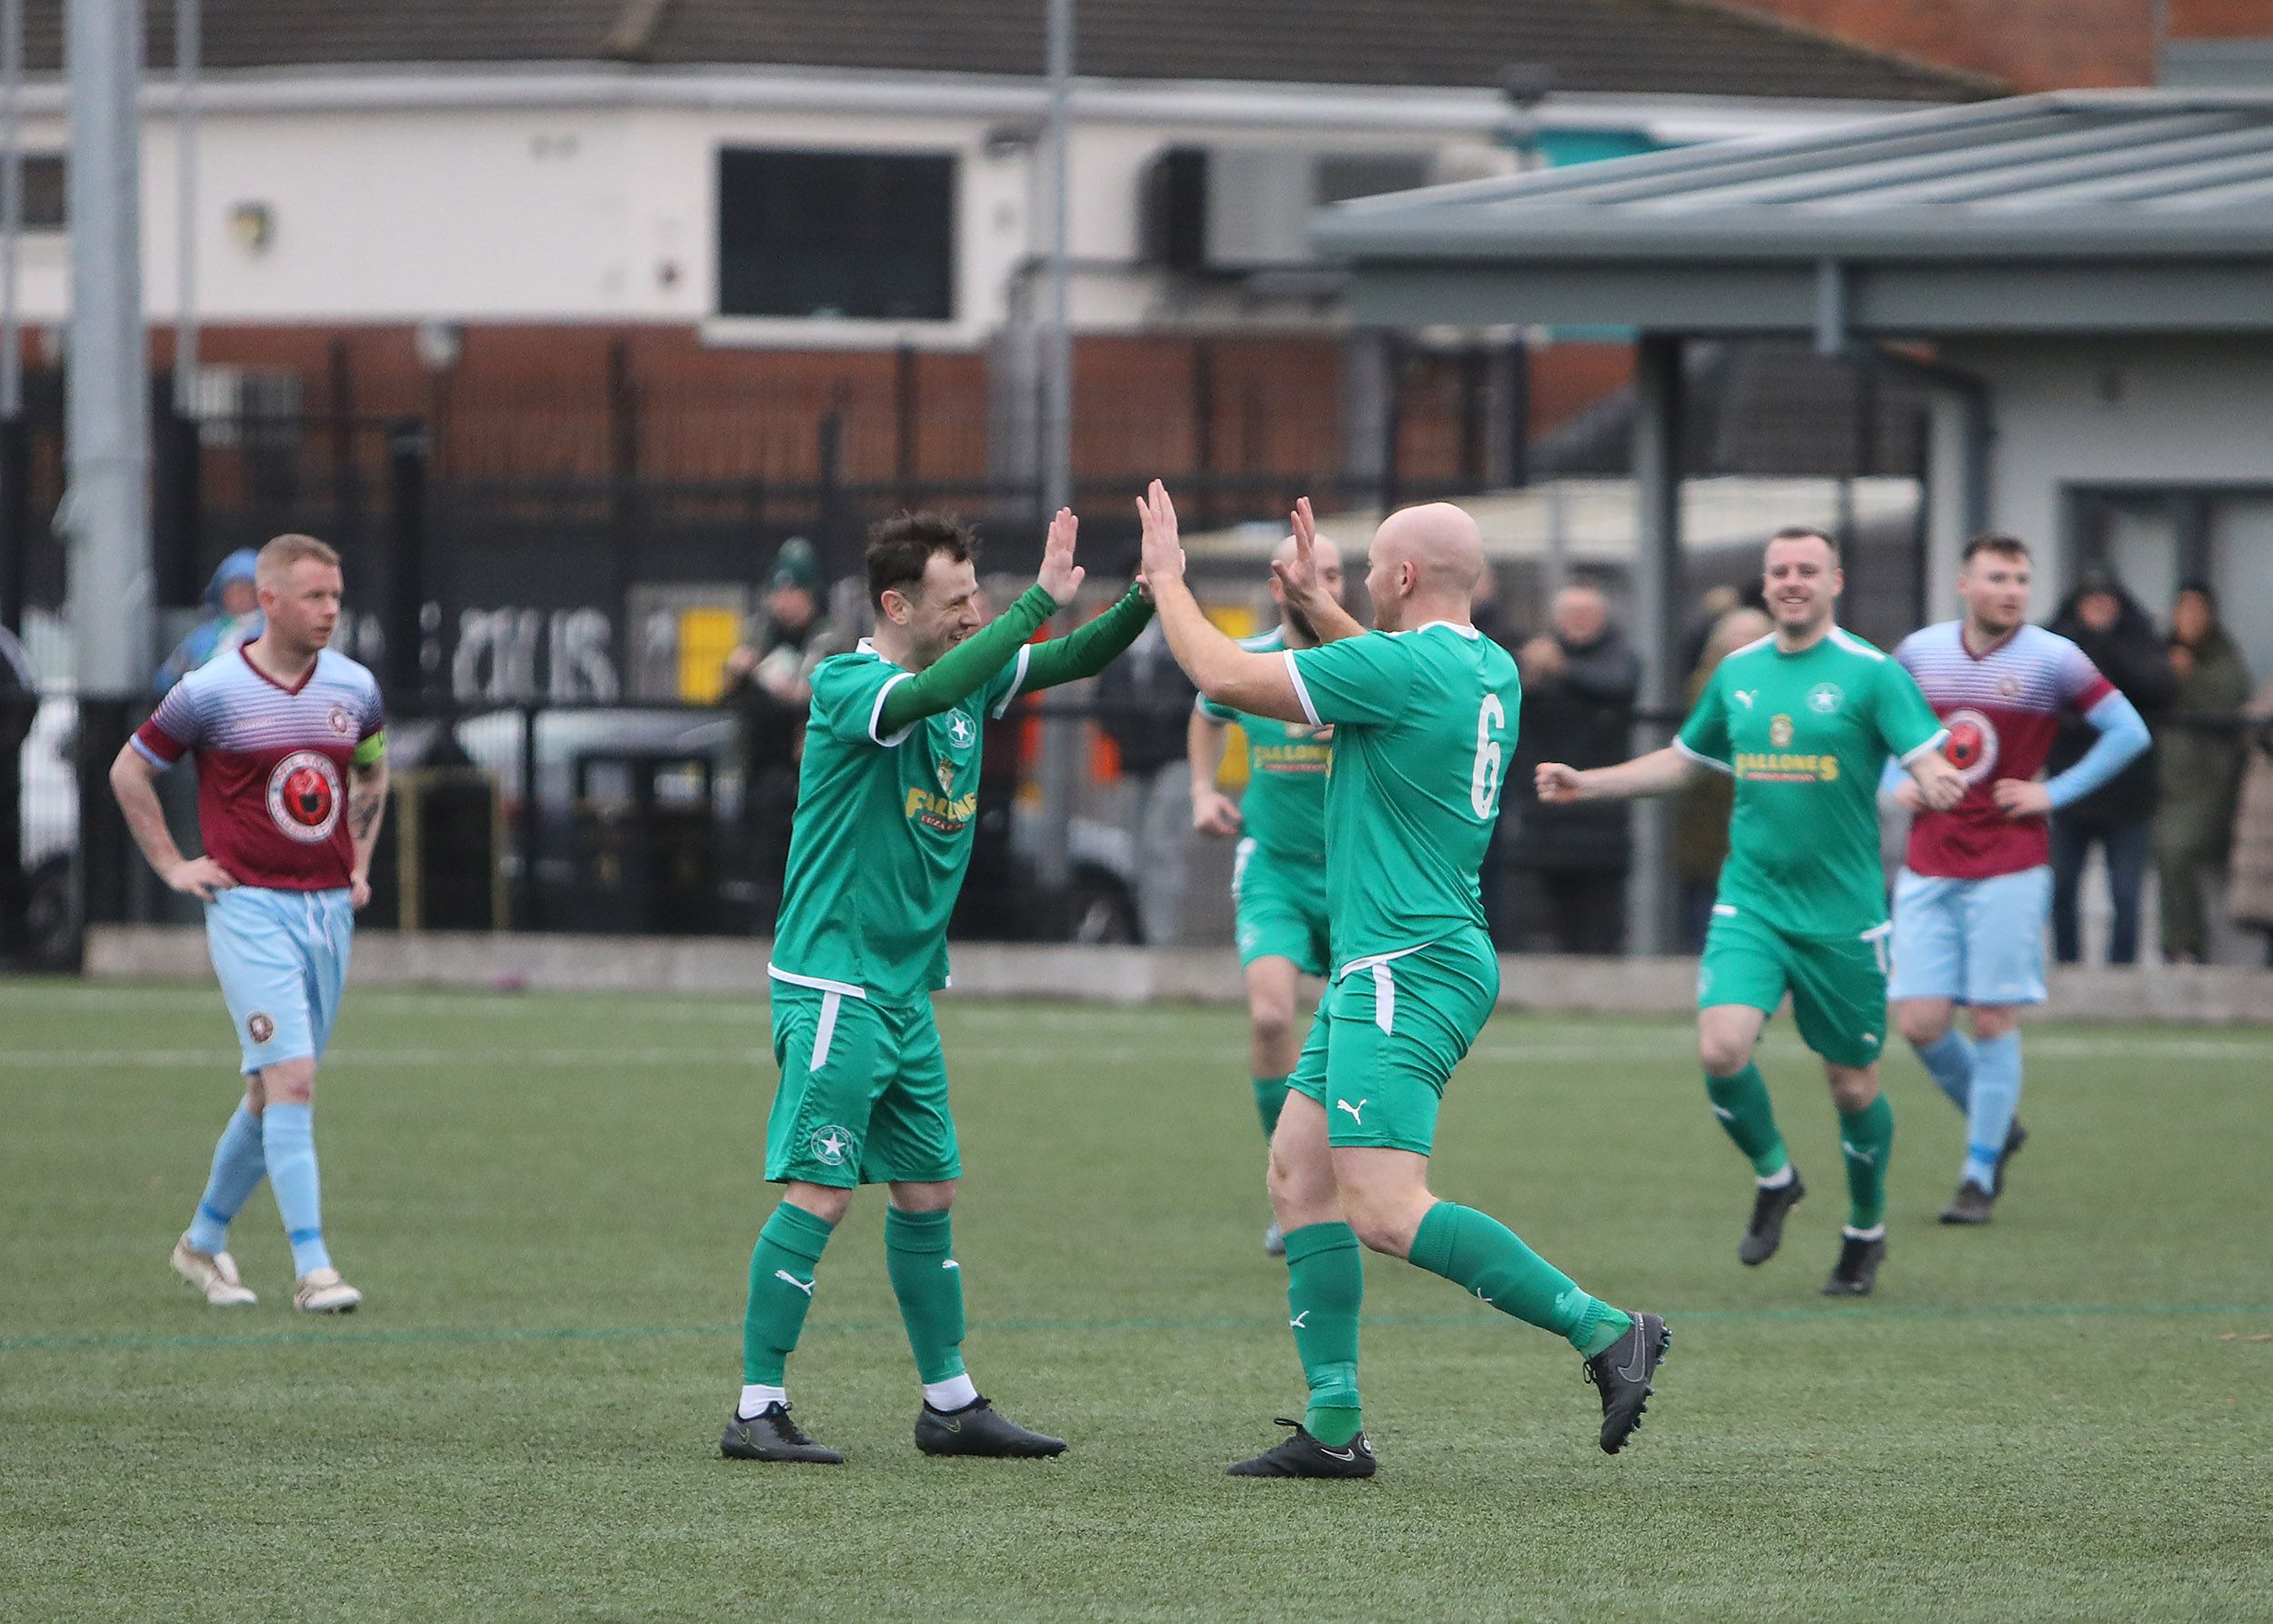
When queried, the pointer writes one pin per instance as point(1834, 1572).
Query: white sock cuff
point(756, 1396)
point(1779, 1179)
point(1875, 1232)
point(955, 1393)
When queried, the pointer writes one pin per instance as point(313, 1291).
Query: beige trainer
point(213, 1273)
point(322, 1291)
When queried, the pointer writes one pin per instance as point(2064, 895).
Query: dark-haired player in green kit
point(1278, 877)
point(1804, 720)
point(1424, 713)
point(887, 793)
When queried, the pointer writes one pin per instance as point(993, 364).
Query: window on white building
point(43, 191)
point(860, 234)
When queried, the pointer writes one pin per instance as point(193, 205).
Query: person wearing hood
point(768, 684)
point(2119, 637)
point(2201, 769)
point(236, 620)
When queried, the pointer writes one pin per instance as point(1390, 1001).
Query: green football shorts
point(1280, 909)
point(1389, 1033)
point(1838, 983)
point(864, 1092)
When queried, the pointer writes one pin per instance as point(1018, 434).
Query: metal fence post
point(406, 589)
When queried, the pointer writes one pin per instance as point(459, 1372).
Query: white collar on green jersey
point(868, 646)
point(1450, 626)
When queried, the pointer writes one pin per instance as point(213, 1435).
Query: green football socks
point(919, 1255)
point(1741, 1104)
point(1326, 1287)
point(1476, 1250)
point(1270, 1098)
point(1867, 1141)
point(782, 1272)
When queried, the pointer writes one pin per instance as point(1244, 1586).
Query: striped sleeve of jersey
point(176, 728)
point(2081, 683)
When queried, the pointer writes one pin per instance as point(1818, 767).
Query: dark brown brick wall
point(2031, 45)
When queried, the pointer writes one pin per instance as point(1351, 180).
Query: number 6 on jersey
point(1491, 721)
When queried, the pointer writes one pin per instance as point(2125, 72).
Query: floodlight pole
point(106, 391)
point(188, 61)
point(1061, 737)
point(14, 457)
point(11, 205)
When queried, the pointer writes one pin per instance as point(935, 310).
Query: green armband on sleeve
point(371, 750)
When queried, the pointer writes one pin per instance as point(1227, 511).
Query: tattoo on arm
point(366, 802)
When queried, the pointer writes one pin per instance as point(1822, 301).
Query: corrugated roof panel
point(2251, 155)
point(2069, 173)
point(1875, 176)
point(2124, 153)
point(2251, 196)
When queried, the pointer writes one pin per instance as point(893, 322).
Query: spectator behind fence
point(1579, 680)
point(2200, 768)
point(1145, 707)
point(2108, 625)
point(1701, 819)
point(236, 620)
point(769, 684)
point(2250, 900)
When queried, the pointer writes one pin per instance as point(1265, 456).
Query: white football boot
point(322, 1291)
point(213, 1273)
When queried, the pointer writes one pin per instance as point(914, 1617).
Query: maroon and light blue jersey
point(2002, 709)
point(271, 763)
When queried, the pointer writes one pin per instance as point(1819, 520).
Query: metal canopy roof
point(2076, 211)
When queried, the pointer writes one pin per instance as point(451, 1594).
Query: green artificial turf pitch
point(550, 1202)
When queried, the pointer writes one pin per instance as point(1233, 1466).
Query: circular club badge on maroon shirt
point(304, 796)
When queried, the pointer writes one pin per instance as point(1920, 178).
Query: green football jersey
point(883, 832)
point(1424, 723)
point(1283, 804)
point(1805, 735)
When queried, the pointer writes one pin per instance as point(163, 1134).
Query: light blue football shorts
point(282, 959)
point(1979, 941)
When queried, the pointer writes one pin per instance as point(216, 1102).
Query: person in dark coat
point(2201, 769)
point(2108, 624)
point(768, 684)
point(1579, 682)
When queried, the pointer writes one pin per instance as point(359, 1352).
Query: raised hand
point(1061, 577)
point(1298, 576)
point(1163, 551)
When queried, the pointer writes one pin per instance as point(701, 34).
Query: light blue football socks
point(1995, 1098)
point(288, 1139)
point(238, 1166)
point(1950, 1061)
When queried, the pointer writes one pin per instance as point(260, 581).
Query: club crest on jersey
point(1779, 730)
point(1973, 744)
point(304, 796)
point(1824, 697)
point(959, 729)
point(342, 723)
point(259, 1028)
